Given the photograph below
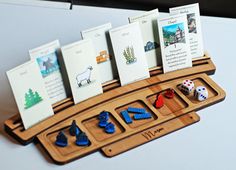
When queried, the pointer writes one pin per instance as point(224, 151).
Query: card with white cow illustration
point(30, 94)
point(82, 70)
point(129, 53)
point(104, 55)
point(149, 29)
point(194, 27)
point(174, 39)
point(47, 59)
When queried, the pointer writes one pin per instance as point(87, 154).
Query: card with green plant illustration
point(30, 94)
point(129, 53)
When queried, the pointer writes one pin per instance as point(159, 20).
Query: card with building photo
point(129, 53)
point(174, 39)
point(104, 55)
point(194, 27)
point(30, 94)
point(82, 70)
point(47, 59)
point(149, 29)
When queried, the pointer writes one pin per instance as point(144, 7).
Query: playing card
point(194, 27)
point(81, 66)
point(30, 94)
point(149, 29)
point(129, 53)
point(104, 55)
point(174, 39)
point(47, 58)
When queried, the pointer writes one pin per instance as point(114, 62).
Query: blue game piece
point(136, 110)
point(61, 140)
point(102, 123)
point(126, 116)
point(103, 116)
point(110, 128)
point(82, 139)
point(74, 130)
point(142, 116)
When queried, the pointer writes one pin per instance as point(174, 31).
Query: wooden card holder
point(176, 113)
point(66, 108)
point(143, 96)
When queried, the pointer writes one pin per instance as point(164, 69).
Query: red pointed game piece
point(170, 93)
point(159, 101)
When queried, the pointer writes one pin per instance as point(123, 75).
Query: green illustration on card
point(128, 53)
point(32, 98)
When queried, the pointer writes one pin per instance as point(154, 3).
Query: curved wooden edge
point(150, 134)
point(203, 65)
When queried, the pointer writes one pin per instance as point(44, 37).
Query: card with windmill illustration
point(174, 39)
point(149, 29)
point(82, 70)
point(129, 53)
point(104, 55)
point(30, 94)
point(47, 58)
point(194, 27)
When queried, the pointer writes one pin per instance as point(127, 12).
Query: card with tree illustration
point(47, 59)
point(194, 27)
point(129, 53)
point(30, 94)
point(104, 54)
point(82, 70)
point(149, 29)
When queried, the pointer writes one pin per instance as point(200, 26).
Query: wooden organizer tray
point(142, 97)
point(66, 108)
point(150, 134)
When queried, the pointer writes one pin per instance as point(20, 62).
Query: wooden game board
point(144, 97)
point(150, 134)
point(14, 126)
point(175, 114)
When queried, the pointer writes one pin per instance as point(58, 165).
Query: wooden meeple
point(175, 114)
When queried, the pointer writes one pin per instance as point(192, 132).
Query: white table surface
point(207, 145)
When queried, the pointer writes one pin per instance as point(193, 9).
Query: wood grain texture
point(150, 134)
point(66, 108)
point(88, 123)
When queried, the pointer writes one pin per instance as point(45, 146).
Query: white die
point(201, 93)
point(187, 86)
